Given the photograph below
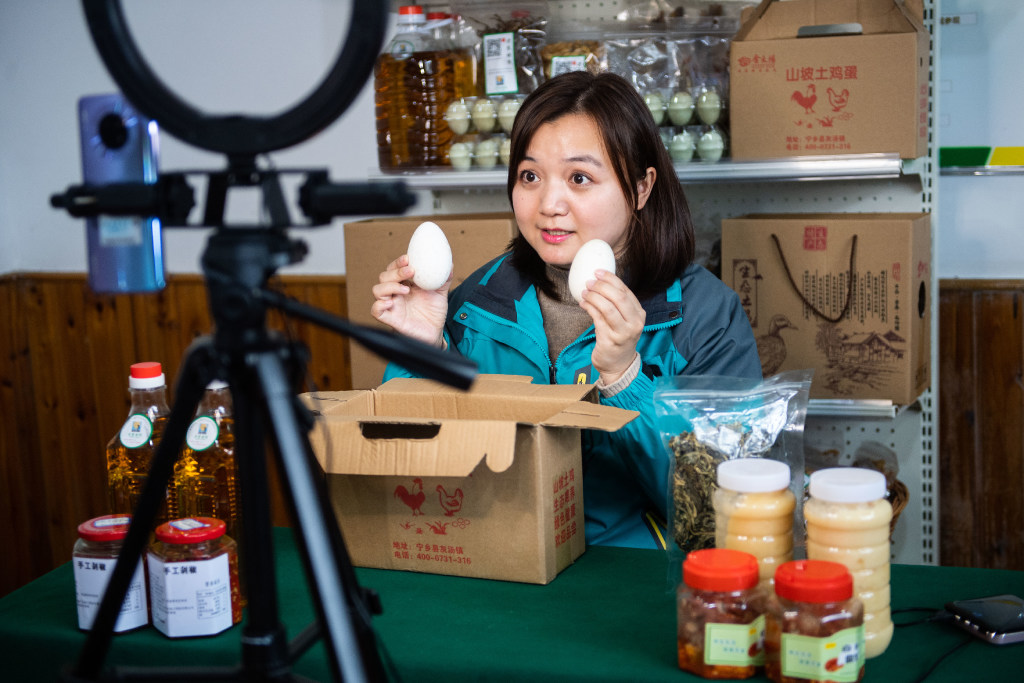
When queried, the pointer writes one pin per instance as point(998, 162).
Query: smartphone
point(998, 619)
point(120, 145)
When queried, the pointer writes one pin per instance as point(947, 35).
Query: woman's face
point(566, 192)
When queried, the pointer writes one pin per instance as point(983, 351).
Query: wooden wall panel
point(63, 394)
point(981, 451)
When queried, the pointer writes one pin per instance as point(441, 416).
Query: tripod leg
point(189, 391)
point(351, 652)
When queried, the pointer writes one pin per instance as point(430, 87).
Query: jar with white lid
point(848, 519)
point(754, 511)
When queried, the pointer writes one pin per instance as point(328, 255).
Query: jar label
point(92, 574)
point(190, 598)
point(202, 433)
point(136, 431)
point(839, 657)
point(735, 644)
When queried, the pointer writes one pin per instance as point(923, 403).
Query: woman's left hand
point(618, 321)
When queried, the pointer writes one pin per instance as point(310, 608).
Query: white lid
point(753, 475)
point(217, 384)
point(147, 382)
point(847, 485)
point(411, 14)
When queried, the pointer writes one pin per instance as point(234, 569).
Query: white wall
point(250, 56)
point(981, 99)
point(258, 56)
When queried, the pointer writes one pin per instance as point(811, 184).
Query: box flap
point(592, 416)
point(773, 20)
point(449, 448)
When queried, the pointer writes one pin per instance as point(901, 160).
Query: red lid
point(146, 370)
point(410, 9)
point(437, 15)
point(720, 569)
point(191, 530)
point(813, 581)
point(106, 528)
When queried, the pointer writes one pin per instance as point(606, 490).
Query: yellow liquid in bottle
point(127, 469)
point(205, 480)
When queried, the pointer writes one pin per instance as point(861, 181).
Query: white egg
point(430, 256)
point(709, 106)
point(457, 116)
point(505, 150)
point(507, 114)
point(485, 115)
point(460, 155)
point(487, 153)
point(680, 108)
point(593, 255)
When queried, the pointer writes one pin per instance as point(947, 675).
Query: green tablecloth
point(608, 617)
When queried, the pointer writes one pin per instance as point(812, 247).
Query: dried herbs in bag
point(705, 420)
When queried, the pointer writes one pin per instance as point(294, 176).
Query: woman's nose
point(553, 201)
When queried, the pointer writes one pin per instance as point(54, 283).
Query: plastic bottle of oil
point(414, 83)
point(130, 452)
point(205, 473)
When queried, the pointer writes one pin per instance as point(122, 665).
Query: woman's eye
point(527, 176)
point(579, 179)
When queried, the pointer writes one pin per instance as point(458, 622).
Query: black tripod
point(262, 370)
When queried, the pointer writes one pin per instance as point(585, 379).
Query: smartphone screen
point(120, 145)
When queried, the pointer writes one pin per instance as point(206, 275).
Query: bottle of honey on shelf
point(130, 452)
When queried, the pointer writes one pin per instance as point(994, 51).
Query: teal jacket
point(695, 327)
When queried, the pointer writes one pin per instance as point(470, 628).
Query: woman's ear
point(644, 187)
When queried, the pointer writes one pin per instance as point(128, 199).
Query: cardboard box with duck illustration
point(847, 294)
point(481, 483)
point(823, 77)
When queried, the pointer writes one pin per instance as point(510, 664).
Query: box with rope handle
point(845, 294)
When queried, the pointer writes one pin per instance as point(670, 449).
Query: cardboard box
point(830, 94)
point(484, 483)
point(880, 347)
point(370, 245)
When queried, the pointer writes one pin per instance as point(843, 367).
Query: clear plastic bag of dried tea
point(705, 420)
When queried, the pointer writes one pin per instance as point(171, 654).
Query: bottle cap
point(847, 485)
point(816, 581)
point(191, 530)
point(753, 475)
point(411, 13)
point(106, 528)
point(217, 384)
point(720, 569)
point(146, 375)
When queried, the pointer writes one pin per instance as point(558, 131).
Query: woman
point(587, 162)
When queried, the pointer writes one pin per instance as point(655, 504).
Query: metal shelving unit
point(848, 183)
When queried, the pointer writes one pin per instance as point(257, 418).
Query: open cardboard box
point(483, 483)
point(824, 77)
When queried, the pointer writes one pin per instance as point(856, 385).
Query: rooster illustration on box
point(414, 499)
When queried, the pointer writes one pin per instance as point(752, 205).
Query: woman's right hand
point(408, 309)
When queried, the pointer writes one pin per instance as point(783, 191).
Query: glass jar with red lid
point(720, 614)
point(193, 578)
point(93, 559)
point(814, 629)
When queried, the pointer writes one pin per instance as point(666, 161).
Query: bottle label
point(191, 598)
point(735, 644)
point(136, 431)
point(566, 64)
point(92, 574)
point(402, 49)
point(839, 657)
point(500, 64)
point(202, 433)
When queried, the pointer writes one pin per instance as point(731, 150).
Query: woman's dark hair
point(659, 238)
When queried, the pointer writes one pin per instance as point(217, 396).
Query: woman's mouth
point(555, 236)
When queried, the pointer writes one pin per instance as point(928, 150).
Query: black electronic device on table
point(998, 619)
point(262, 368)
